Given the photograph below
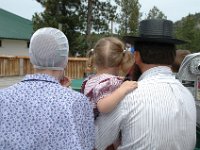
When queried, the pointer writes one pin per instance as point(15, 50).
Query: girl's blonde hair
point(109, 52)
point(90, 55)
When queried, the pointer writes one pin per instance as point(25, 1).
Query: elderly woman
point(38, 112)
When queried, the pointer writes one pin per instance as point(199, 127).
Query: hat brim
point(133, 39)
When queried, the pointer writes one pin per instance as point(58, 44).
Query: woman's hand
point(65, 81)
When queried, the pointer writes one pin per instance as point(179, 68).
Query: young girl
point(106, 88)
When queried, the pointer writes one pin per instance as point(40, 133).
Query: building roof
point(14, 27)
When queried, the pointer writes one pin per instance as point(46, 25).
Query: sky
point(173, 9)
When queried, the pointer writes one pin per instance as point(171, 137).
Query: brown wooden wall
point(20, 66)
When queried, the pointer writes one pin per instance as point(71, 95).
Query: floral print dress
point(96, 87)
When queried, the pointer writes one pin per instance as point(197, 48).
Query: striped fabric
point(159, 115)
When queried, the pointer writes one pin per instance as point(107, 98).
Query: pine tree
point(129, 16)
point(155, 13)
point(79, 18)
point(188, 29)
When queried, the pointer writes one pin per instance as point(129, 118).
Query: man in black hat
point(161, 112)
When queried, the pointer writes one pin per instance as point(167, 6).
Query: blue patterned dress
point(40, 114)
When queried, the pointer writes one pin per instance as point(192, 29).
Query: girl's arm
point(108, 103)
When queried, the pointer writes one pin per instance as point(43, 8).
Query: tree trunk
point(89, 17)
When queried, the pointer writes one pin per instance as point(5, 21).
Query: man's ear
point(137, 57)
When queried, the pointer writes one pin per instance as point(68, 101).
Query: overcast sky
point(173, 9)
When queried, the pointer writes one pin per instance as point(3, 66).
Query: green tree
point(188, 29)
point(98, 15)
point(155, 13)
point(63, 12)
point(79, 18)
point(129, 16)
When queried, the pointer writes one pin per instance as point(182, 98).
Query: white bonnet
point(49, 49)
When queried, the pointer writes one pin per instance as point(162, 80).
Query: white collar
point(164, 70)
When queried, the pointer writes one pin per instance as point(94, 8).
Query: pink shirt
point(97, 87)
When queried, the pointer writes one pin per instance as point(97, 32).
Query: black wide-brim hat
point(154, 30)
